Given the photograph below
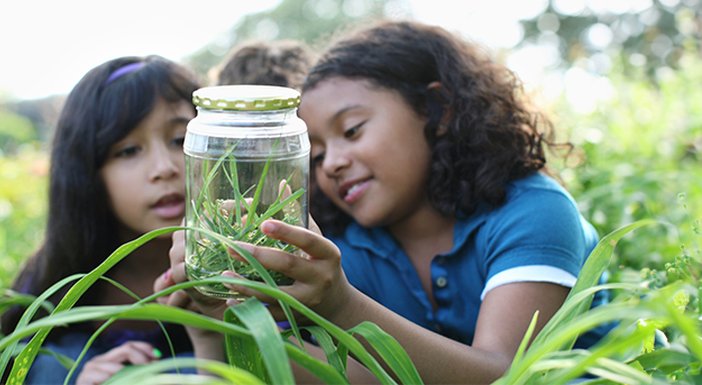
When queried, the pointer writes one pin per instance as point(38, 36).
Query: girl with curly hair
point(443, 226)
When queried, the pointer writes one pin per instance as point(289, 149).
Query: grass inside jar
point(237, 219)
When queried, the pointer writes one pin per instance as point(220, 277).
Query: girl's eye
point(352, 131)
point(317, 159)
point(178, 141)
point(127, 152)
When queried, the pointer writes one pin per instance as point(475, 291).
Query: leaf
point(143, 374)
point(390, 351)
point(242, 351)
point(326, 342)
point(265, 333)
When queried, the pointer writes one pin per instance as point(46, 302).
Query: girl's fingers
point(242, 291)
point(312, 225)
point(177, 274)
point(291, 265)
point(179, 299)
point(102, 367)
point(312, 243)
point(98, 372)
point(134, 352)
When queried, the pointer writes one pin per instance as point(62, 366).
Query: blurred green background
point(638, 140)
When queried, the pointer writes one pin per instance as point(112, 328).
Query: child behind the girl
point(116, 173)
point(276, 63)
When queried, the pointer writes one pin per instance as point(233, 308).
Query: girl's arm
point(321, 284)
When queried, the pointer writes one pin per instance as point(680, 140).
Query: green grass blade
point(279, 205)
point(390, 351)
point(264, 330)
point(11, 298)
point(65, 361)
point(665, 359)
point(326, 342)
point(242, 352)
point(527, 337)
point(252, 214)
point(138, 374)
point(325, 372)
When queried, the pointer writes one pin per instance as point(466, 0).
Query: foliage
point(649, 34)
point(642, 151)
point(14, 130)
point(23, 184)
point(311, 21)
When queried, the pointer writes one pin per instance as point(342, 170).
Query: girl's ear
point(435, 88)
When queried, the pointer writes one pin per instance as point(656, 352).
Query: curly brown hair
point(275, 63)
point(482, 132)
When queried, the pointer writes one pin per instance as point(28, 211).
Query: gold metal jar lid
point(246, 98)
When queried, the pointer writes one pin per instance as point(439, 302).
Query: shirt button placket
point(441, 282)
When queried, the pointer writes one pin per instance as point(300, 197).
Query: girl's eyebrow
point(344, 110)
point(178, 120)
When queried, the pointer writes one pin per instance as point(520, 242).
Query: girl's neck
point(423, 236)
point(425, 229)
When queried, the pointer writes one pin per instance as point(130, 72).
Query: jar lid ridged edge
point(246, 98)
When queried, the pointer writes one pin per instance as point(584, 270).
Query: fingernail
point(268, 227)
point(229, 274)
point(167, 275)
point(157, 353)
point(232, 302)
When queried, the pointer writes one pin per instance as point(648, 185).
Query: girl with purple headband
point(116, 173)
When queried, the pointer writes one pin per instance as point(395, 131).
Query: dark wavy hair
point(489, 134)
point(81, 228)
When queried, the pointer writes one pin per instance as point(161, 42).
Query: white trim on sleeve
point(533, 273)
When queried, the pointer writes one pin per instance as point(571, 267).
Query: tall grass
point(254, 328)
point(657, 340)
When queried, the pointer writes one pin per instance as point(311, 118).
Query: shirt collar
point(379, 241)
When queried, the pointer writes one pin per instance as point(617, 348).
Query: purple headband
point(123, 70)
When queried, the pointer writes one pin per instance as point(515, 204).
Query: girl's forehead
point(338, 93)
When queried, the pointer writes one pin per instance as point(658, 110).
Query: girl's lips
point(354, 193)
point(170, 207)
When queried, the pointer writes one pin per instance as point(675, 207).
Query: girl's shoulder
point(536, 181)
point(536, 202)
point(537, 189)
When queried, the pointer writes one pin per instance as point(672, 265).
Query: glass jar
point(246, 160)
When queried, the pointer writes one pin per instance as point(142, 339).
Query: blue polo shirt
point(537, 235)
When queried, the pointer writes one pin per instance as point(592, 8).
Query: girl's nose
point(165, 165)
point(335, 161)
